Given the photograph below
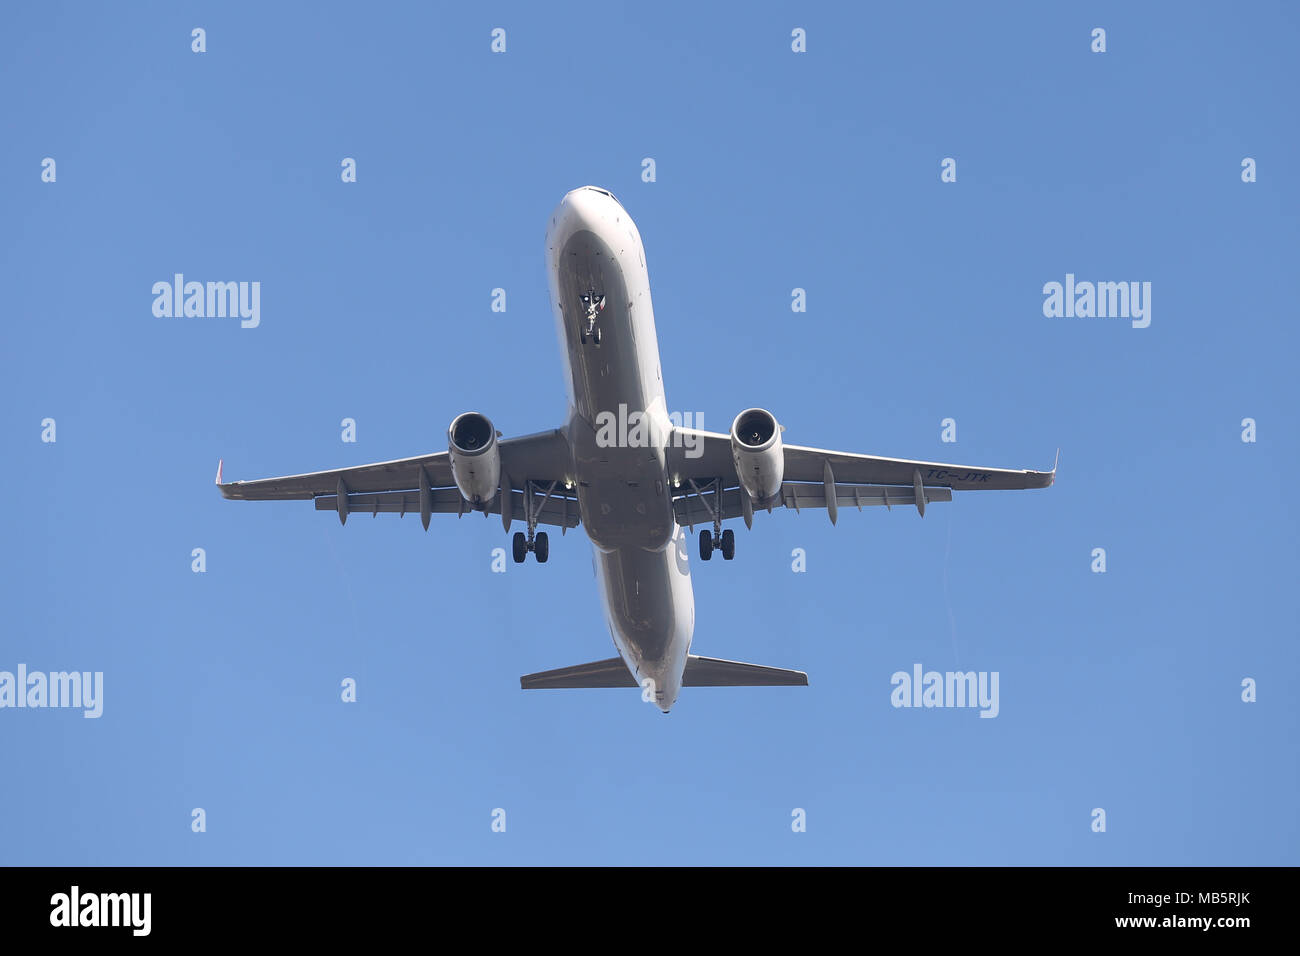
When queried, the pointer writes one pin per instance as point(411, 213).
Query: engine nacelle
point(756, 450)
point(475, 458)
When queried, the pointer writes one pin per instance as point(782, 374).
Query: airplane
point(636, 489)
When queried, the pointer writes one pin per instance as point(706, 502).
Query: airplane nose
point(581, 210)
point(586, 206)
point(596, 191)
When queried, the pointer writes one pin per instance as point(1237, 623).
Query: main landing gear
point(535, 541)
point(724, 541)
point(540, 546)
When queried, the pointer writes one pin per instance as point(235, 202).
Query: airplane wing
point(534, 464)
point(702, 464)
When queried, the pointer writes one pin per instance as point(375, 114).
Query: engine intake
point(757, 453)
point(475, 458)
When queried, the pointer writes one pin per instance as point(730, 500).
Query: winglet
point(1056, 462)
point(220, 462)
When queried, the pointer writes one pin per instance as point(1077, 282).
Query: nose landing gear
point(594, 304)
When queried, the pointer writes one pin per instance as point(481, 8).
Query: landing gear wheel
point(582, 336)
point(706, 545)
point(520, 547)
point(728, 545)
point(542, 547)
point(596, 336)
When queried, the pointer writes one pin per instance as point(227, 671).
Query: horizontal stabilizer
point(607, 673)
point(700, 672)
point(712, 672)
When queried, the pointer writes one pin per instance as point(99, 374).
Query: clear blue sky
point(774, 171)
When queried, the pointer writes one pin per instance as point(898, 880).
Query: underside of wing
point(544, 455)
point(696, 508)
point(707, 487)
point(809, 464)
point(402, 474)
point(559, 508)
point(533, 470)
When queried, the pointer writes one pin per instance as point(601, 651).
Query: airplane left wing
point(809, 464)
point(821, 478)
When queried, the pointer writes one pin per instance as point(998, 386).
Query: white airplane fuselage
point(624, 486)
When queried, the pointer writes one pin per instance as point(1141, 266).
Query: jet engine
point(475, 458)
point(756, 450)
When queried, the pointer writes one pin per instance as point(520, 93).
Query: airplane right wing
point(534, 466)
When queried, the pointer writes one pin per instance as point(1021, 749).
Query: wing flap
point(696, 509)
point(799, 495)
point(560, 509)
point(692, 509)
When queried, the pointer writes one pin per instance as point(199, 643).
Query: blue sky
point(775, 170)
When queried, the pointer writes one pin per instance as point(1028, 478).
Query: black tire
point(706, 545)
point(521, 547)
point(596, 336)
point(582, 337)
point(728, 545)
point(542, 547)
